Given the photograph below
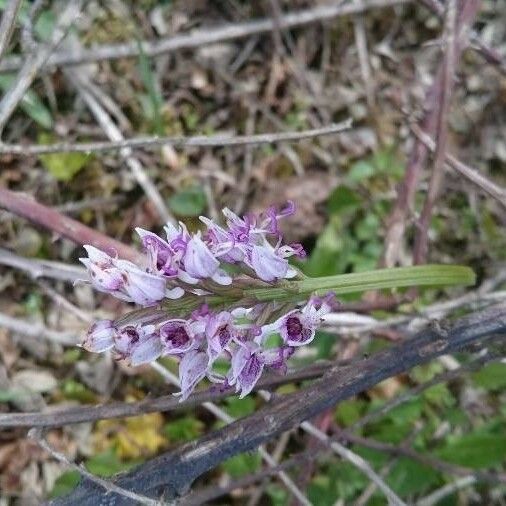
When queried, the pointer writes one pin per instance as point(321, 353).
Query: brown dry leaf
point(14, 458)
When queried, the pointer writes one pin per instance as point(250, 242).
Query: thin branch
point(350, 456)
point(206, 36)
point(194, 458)
point(37, 330)
point(109, 487)
point(427, 460)
point(34, 63)
point(55, 417)
point(23, 205)
point(445, 491)
point(8, 23)
point(396, 223)
point(490, 54)
point(115, 135)
point(36, 268)
point(225, 417)
point(421, 246)
point(204, 495)
point(422, 387)
point(493, 189)
point(202, 141)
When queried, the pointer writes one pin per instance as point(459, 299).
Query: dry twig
point(7, 24)
point(115, 135)
point(27, 207)
point(202, 141)
point(207, 36)
point(441, 134)
point(34, 63)
point(109, 487)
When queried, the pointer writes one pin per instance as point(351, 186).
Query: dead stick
point(25, 206)
point(442, 108)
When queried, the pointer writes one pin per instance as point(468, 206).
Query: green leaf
point(278, 495)
point(155, 97)
point(64, 484)
point(240, 465)
point(183, 429)
point(360, 171)
point(30, 103)
point(74, 390)
point(409, 477)
point(407, 412)
point(420, 275)
point(324, 343)
point(107, 464)
point(191, 201)
point(491, 376)
point(439, 395)
point(240, 407)
point(476, 450)
point(349, 411)
point(62, 166)
point(343, 199)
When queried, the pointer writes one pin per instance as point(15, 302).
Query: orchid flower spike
point(201, 269)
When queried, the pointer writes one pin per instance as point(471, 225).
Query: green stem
point(399, 277)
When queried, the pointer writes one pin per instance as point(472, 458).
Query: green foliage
point(408, 477)
point(240, 407)
point(152, 102)
point(324, 342)
point(72, 389)
point(278, 495)
point(406, 413)
point(336, 481)
point(240, 465)
point(349, 411)
point(491, 376)
point(30, 104)
point(382, 163)
point(183, 429)
point(62, 166)
point(64, 484)
point(107, 464)
point(476, 450)
point(190, 201)
point(351, 240)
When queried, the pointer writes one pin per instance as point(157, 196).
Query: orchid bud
point(100, 336)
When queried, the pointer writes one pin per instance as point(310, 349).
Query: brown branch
point(204, 495)
point(80, 414)
point(175, 470)
point(156, 141)
point(494, 190)
point(443, 108)
point(206, 35)
point(490, 54)
point(25, 206)
point(396, 223)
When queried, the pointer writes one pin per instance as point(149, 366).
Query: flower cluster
point(195, 266)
